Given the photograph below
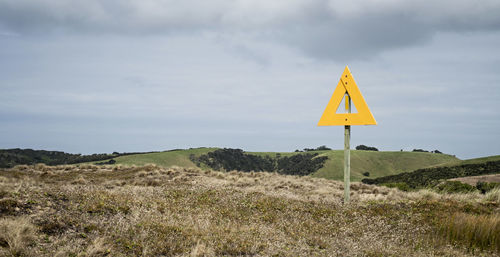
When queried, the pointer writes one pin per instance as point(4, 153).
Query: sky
point(98, 76)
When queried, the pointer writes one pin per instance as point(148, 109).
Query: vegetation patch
point(366, 148)
point(454, 187)
point(12, 157)
point(431, 176)
point(475, 231)
point(485, 187)
point(9, 206)
point(195, 212)
point(235, 159)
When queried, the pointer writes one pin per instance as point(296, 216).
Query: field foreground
point(92, 210)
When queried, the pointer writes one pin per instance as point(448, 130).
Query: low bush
point(366, 148)
point(454, 187)
point(485, 187)
point(400, 185)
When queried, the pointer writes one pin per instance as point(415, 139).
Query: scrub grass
point(149, 210)
point(476, 231)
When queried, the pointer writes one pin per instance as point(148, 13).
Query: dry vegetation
point(472, 180)
point(153, 211)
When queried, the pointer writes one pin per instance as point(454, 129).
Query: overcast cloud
point(101, 75)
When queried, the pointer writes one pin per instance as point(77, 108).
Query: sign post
point(347, 153)
point(347, 88)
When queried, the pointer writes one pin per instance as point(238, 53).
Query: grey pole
point(347, 155)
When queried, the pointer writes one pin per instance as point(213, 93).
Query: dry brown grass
point(17, 235)
point(493, 195)
point(477, 231)
point(90, 210)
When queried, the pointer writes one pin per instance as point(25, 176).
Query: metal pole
point(347, 155)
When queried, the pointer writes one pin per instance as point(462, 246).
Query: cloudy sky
point(88, 76)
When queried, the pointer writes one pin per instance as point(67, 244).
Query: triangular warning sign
point(362, 117)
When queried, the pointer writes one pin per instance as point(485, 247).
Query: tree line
point(12, 157)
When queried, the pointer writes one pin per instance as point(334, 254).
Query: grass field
point(178, 158)
point(90, 210)
point(376, 163)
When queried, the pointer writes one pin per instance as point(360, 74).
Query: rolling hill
point(376, 163)
point(164, 159)
point(428, 177)
point(379, 163)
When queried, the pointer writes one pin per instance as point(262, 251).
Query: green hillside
point(379, 164)
point(476, 160)
point(429, 177)
point(376, 163)
point(164, 159)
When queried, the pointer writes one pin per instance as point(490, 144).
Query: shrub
point(366, 174)
point(485, 187)
point(454, 187)
point(366, 148)
point(319, 148)
point(8, 206)
point(110, 162)
point(400, 185)
point(300, 164)
point(323, 147)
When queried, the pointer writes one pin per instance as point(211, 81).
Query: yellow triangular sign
point(347, 85)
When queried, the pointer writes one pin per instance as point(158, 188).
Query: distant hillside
point(12, 157)
point(364, 164)
point(171, 158)
point(379, 164)
point(431, 176)
point(376, 163)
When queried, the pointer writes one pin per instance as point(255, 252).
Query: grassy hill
point(376, 163)
point(379, 164)
point(164, 159)
point(429, 177)
point(476, 160)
